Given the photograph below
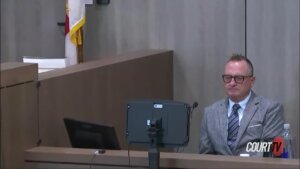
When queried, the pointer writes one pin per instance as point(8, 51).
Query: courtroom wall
point(202, 34)
point(273, 45)
point(29, 28)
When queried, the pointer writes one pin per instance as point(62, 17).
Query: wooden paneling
point(18, 115)
point(13, 73)
point(40, 157)
point(19, 123)
point(98, 91)
point(202, 34)
point(273, 46)
point(29, 28)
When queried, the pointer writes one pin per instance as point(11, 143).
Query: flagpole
point(80, 46)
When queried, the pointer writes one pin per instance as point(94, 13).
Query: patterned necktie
point(233, 125)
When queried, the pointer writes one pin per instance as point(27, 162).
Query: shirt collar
point(242, 103)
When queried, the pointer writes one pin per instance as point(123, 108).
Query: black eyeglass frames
point(238, 78)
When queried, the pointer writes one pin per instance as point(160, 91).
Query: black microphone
point(195, 104)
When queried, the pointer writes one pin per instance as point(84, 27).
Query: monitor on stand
point(157, 123)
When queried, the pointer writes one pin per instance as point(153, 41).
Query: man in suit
point(229, 124)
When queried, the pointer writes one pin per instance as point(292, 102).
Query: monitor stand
point(153, 152)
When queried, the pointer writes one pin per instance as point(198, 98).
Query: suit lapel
point(222, 114)
point(249, 112)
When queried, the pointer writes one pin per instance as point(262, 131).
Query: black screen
point(90, 135)
point(172, 118)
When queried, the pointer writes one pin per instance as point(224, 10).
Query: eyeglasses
point(238, 79)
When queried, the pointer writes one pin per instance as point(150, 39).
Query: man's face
point(239, 87)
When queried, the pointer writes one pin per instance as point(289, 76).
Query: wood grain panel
point(44, 156)
point(19, 123)
point(99, 92)
point(202, 34)
point(273, 31)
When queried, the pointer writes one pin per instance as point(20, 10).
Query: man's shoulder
point(216, 105)
point(265, 101)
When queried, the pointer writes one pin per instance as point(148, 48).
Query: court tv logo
point(276, 147)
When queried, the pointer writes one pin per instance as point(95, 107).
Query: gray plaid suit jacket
point(262, 121)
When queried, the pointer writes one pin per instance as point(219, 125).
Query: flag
point(75, 19)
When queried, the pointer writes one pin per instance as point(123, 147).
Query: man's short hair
point(240, 57)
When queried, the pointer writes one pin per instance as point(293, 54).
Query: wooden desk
point(54, 157)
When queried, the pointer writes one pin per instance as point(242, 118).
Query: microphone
point(195, 105)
